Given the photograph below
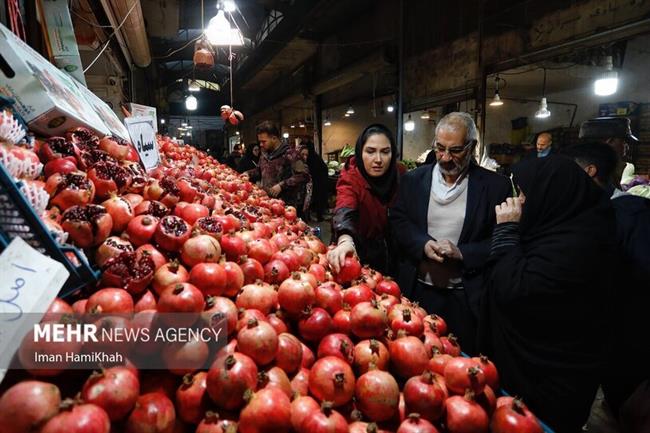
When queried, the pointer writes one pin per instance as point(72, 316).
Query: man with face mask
point(443, 220)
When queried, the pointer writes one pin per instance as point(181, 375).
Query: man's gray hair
point(456, 121)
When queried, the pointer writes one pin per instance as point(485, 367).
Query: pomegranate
point(114, 389)
point(260, 250)
point(408, 355)
point(388, 286)
point(328, 296)
point(487, 399)
point(220, 310)
point(325, 420)
point(169, 273)
point(88, 225)
point(368, 352)
point(305, 256)
point(351, 270)
point(289, 354)
point(57, 309)
point(233, 246)
point(490, 371)
point(181, 298)
point(415, 424)
point(426, 395)
point(111, 247)
point(158, 258)
point(274, 377)
point(193, 211)
point(295, 294)
point(246, 316)
point(450, 345)
point(368, 320)
point(436, 323)
point(59, 166)
point(289, 258)
point(514, 417)
point(151, 207)
point(200, 249)
point(57, 147)
point(377, 395)
point(332, 379)
point(229, 377)
point(301, 408)
point(338, 345)
point(259, 296)
point(185, 357)
point(89, 157)
point(300, 382)
point(388, 301)
point(120, 211)
point(341, 320)
point(212, 424)
point(210, 278)
point(464, 415)
point(431, 341)
point(462, 374)
point(407, 321)
point(210, 226)
point(154, 412)
point(109, 178)
point(187, 190)
point(139, 179)
point(117, 147)
point(28, 405)
point(268, 410)
point(259, 341)
point(146, 301)
point(277, 320)
point(129, 272)
point(78, 418)
point(110, 301)
point(141, 229)
point(357, 294)
point(172, 232)
point(252, 269)
point(438, 361)
point(315, 324)
point(275, 272)
point(79, 307)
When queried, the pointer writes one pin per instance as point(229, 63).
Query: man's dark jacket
point(408, 220)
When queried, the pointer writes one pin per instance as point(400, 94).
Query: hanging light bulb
point(229, 6)
point(236, 132)
point(496, 101)
point(350, 110)
point(301, 125)
point(390, 108)
point(327, 121)
point(191, 103)
point(409, 125)
point(183, 124)
point(293, 126)
point(543, 111)
point(162, 121)
point(219, 31)
point(193, 86)
point(285, 135)
point(607, 84)
point(425, 116)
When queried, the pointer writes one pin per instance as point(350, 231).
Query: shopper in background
point(548, 288)
point(365, 189)
point(251, 158)
point(442, 220)
point(318, 172)
point(232, 160)
point(599, 161)
point(303, 212)
point(544, 144)
point(281, 171)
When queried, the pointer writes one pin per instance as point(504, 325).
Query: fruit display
point(307, 349)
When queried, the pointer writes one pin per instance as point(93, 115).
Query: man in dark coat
point(442, 220)
point(318, 172)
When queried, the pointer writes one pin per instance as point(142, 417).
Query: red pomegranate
point(151, 207)
point(415, 424)
point(228, 379)
point(117, 147)
point(426, 395)
point(114, 389)
point(408, 356)
point(153, 411)
point(351, 270)
point(377, 395)
point(211, 423)
point(308, 357)
point(172, 232)
point(78, 418)
point(338, 345)
point(120, 211)
point(389, 287)
point(357, 294)
point(260, 250)
point(185, 357)
point(332, 379)
point(436, 323)
point(57, 147)
point(268, 410)
point(289, 354)
point(233, 246)
point(301, 408)
point(141, 229)
point(490, 371)
point(259, 296)
point(193, 211)
point(209, 278)
point(275, 272)
point(438, 361)
point(221, 312)
point(110, 300)
point(234, 278)
point(368, 352)
point(200, 249)
point(259, 341)
point(328, 296)
point(59, 166)
point(450, 345)
point(57, 309)
point(300, 382)
point(407, 321)
point(464, 415)
point(325, 420)
point(514, 417)
point(128, 271)
point(181, 298)
point(296, 294)
point(209, 226)
point(158, 258)
point(146, 301)
point(274, 377)
point(462, 374)
point(168, 274)
point(278, 321)
point(28, 405)
point(111, 247)
point(252, 269)
point(245, 316)
point(315, 324)
point(368, 320)
point(87, 226)
point(109, 178)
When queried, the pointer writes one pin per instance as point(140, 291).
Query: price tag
point(143, 137)
point(30, 282)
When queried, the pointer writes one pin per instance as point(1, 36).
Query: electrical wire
point(110, 37)
point(169, 54)
point(90, 22)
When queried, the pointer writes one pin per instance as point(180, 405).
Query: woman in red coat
point(364, 192)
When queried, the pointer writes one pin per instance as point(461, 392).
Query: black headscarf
point(383, 186)
point(545, 299)
point(249, 152)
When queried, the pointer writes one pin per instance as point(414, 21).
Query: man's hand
point(336, 256)
point(431, 251)
point(275, 190)
point(509, 211)
point(441, 250)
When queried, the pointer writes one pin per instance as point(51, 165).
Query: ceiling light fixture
point(285, 135)
point(390, 108)
point(327, 120)
point(236, 132)
point(191, 103)
point(425, 116)
point(219, 31)
point(229, 6)
point(301, 125)
point(162, 121)
point(292, 126)
point(183, 124)
point(607, 84)
point(350, 110)
point(543, 111)
point(496, 101)
point(409, 125)
point(193, 86)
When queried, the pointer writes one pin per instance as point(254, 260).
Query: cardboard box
point(112, 122)
point(47, 98)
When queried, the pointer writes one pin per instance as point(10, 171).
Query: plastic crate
point(18, 219)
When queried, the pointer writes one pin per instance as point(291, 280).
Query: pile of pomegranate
point(308, 350)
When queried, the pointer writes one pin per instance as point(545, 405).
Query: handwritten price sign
point(30, 282)
point(143, 136)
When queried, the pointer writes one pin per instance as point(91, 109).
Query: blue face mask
point(544, 152)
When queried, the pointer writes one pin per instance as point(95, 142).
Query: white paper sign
point(30, 282)
point(138, 110)
point(143, 137)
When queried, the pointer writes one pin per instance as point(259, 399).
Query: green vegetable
point(347, 151)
